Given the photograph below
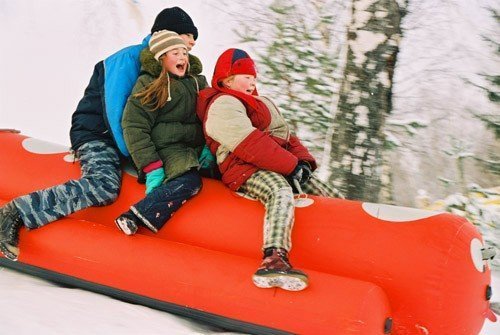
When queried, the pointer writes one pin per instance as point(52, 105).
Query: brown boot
point(276, 271)
point(10, 224)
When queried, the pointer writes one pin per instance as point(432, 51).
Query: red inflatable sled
point(373, 269)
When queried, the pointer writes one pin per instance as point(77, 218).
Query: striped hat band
point(163, 41)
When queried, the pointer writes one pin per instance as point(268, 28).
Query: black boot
point(127, 223)
point(276, 271)
point(10, 224)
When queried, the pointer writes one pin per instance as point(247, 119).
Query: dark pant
point(161, 203)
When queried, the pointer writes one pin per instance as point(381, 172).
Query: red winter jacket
point(248, 137)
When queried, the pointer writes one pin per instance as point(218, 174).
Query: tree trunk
point(356, 158)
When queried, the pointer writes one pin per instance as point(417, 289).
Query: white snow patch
point(371, 65)
point(361, 18)
point(354, 97)
point(362, 116)
point(380, 14)
point(383, 78)
point(356, 166)
point(390, 137)
point(351, 78)
point(346, 160)
point(395, 40)
point(363, 5)
point(366, 41)
point(359, 151)
point(31, 305)
point(360, 137)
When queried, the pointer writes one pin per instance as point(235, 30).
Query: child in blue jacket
point(96, 139)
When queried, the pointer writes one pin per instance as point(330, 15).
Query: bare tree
point(356, 160)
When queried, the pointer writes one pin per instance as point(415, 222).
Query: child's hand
point(154, 179)
point(301, 173)
point(306, 172)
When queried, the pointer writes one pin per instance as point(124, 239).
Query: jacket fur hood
point(150, 65)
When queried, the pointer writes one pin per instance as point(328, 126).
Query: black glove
point(306, 172)
point(301, 173)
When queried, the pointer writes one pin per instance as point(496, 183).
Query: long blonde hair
point(157, 93)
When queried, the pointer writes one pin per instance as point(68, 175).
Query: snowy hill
point(50, 47)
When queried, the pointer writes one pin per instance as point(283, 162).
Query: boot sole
point(123, 226)
point(285, 282)
point(8, 253)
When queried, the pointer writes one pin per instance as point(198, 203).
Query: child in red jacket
point(257, 155)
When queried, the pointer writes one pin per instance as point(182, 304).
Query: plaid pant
point(274, 191)
point(99, 185)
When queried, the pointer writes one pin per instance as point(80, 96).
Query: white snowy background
point(47, 54)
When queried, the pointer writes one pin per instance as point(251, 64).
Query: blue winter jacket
point(99, 113)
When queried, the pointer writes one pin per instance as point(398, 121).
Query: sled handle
point(488, 253)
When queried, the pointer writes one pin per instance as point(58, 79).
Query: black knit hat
point(175, 19)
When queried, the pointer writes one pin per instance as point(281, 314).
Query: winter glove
point(301, 173)
point(306, 172)
point(206, 159)
point(154, 179)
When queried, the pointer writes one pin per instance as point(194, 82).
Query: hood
point(232, 62)
point(150, 65)
point(205, 97)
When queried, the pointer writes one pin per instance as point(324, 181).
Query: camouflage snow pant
point(274, 191)
point(99, 185)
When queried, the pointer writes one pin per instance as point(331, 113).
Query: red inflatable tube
point(367, 262)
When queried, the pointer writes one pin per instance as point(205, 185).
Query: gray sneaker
point(276, 271)
point(10, 224)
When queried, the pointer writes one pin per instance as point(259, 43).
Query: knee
point(112, 188)
point(113, 194)
point(283, 192)
point(106, 190)
point(192, 184)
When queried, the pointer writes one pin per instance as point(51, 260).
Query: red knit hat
point(232, 62)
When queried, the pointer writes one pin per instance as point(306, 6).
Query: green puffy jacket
point(172, 133)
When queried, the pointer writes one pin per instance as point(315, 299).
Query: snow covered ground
point(30, 305)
